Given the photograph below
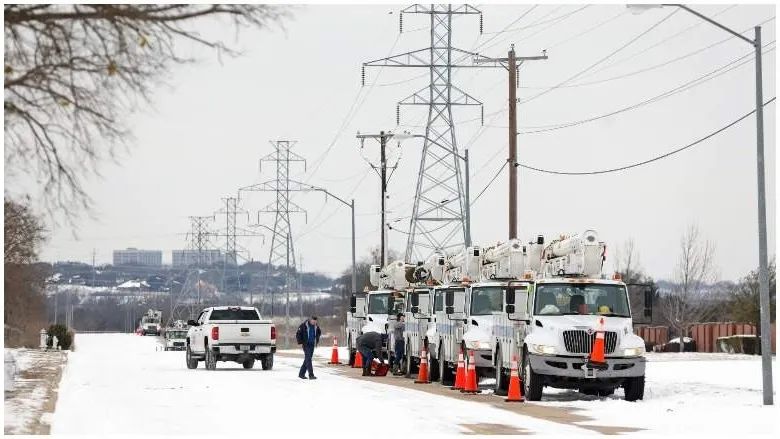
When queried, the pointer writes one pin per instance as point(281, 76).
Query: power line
point(649, 68)
point(489, 183)
point(662, 41)
point(722, 70)
point(604, 58)
point(645, 162)
point(587, 31)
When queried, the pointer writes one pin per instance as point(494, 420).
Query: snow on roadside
point(33, 380)
point(684, 393)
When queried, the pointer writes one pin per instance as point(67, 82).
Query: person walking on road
point(369, 344)
point(398, 345)
point(308, 336)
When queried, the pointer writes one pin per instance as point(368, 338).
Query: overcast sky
point(203, 138)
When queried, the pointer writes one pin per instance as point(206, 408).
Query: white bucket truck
point(457, 327)
point(377, 307)
point(552, 314)
point(419, 311)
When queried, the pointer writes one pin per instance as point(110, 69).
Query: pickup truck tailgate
point(244, 332)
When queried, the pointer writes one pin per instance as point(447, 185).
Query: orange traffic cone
point(358, 363)
point(597, 352)
point(471, 376)
point(515, 384)
point(460, 373)
point(422, 376)
point(334, 355)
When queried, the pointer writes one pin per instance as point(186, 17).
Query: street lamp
point(465, 158)
point(763, 275)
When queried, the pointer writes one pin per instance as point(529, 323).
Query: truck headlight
point(478, 345)
point(543, 349)
point(633, 352)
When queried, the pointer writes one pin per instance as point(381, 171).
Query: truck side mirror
point(415, 299)
point(360, 307)
point(517, 310)
point(352, 304)
point(415, 309)
point(449, 302)
point(192, 323)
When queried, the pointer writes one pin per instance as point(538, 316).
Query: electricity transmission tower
point(189, 298)
point(233, 251)
point(438, 222)
point(282, 251)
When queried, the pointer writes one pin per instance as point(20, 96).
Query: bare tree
point(687, 303)
point(72, 72)
point(24, 310)
point(627, 262)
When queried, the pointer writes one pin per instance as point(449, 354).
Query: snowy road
point(117, 383)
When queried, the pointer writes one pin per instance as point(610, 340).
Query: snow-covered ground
point(30, 386)
point(117, 383)
point(687, 393)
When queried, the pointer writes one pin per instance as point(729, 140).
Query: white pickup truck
point(230, 333)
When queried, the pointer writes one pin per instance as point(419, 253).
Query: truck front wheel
point(634, 388)
point(502, 379)
point(267, 362)
point(532, 382)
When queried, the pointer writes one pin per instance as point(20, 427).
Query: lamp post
point(465, 158)
point(763, 275)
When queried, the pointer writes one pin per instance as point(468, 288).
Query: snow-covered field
point(117, 383)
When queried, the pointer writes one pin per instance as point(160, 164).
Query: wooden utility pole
point(510, 63)
point(512, 67)
point(382, 137)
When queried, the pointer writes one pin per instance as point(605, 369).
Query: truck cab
point(552, 317)
point(377, 308)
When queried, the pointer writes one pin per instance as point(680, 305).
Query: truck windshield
point(582, 299)
point(176, 334)
point(486, 300)
point(438, 301)
point(234, 314)
point(377, 303)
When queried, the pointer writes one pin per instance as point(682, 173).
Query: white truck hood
point(616, 324)
point(480, 333)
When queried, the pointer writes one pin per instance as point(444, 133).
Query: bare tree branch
point(73, 73)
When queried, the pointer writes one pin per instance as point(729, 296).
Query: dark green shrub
point(64, 337)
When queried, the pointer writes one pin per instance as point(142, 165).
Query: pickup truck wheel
point(502, 380)
point(267, 362)
point(634, 388)
point(192, 363)
point(211, 359)
point(532, 382)
point(248, 364)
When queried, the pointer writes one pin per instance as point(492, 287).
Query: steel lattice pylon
point(282, 252)
point(438, 221)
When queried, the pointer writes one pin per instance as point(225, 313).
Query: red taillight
point(215, 333)
point(273, 332)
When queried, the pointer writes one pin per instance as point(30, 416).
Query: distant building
point(133, 256)
point(186, 258)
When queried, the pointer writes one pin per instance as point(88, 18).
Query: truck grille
point(580, 342)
